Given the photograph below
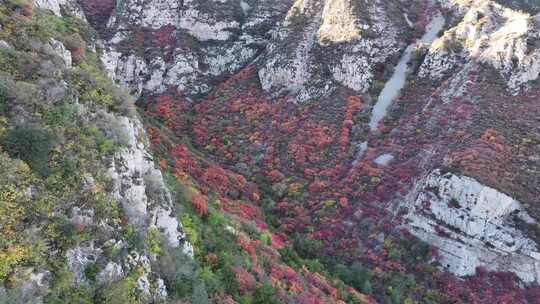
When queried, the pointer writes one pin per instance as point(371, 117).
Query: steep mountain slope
point(278, 177)
point(195, 44)
point(87, 214)
point(491, 34)
point(81, 197)
point(187, 45)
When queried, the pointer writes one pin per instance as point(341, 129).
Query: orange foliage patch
point(200, 203)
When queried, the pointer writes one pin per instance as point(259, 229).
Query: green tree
point(265, 294)
point(32, 144)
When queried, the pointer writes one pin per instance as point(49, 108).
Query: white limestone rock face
point(472, 225)
point(151, 287)
point(56, 6)
point(31, 287)
point(111, 273)
point(4, 45)
point(338, 22)
point(182, 14)
point(307, 48)
point(52, 5)
point(61, 51)
point(140, 188)
point(110, 59)
point(458, 84)
point(210, 39)
point(323, 44)
point(487, 33)
point(80, 257)
point(353, 72)
point(292, 71)
point(129, 71)
point(438, 62)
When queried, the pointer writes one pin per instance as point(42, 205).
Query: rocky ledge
point(472, 226)
point(491, 34)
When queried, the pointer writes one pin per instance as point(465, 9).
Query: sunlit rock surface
point(472, 225)
point(61, 51)
point(207, 40)
point(139, 186)
point(344, 37)
point(338, 22)
point(299, 42)
point(52, 5)
point(488, 33)
point(80, 257)
point(57, 6)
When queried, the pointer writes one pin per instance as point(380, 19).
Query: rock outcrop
point(52, 5)
point(322, 45)
point(57, 7)
point(309, 50)
point(472, 226)
point(300, 44)
point(62, 52)
point(136, 184)
point(205, 40)
point(140, 188)
point(488, 33)
point(338, 22)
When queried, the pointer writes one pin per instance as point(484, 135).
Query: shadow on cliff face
point(97, 12)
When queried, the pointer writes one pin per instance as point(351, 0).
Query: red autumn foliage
point(309, 142)
point(217, 178)
point(237, 124)
point(200, 203)
point(78, 53)
point(169, 108)
point(183, 160)
point(307, 298)
point(278, 241)
point(320, 282)
point(163, 107)
point(488, 157)
point(248, 211)
point(163, 36)
point(354, 104)
point(275, 175)
point(284, 273)
point(245, 242)
point(344, 202)
point(154, 134)
point(255, 111)
point(288, 273)
point(246, 281)
point(317, 186)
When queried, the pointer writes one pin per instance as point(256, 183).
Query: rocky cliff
point(188, 44)
point(487, 33)
point(316, 52)
point(473, 226)
point(203, 44)
point(103, 187)
point(259, 167)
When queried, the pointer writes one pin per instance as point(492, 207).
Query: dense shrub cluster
point(31, 143)
point(58, 132)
